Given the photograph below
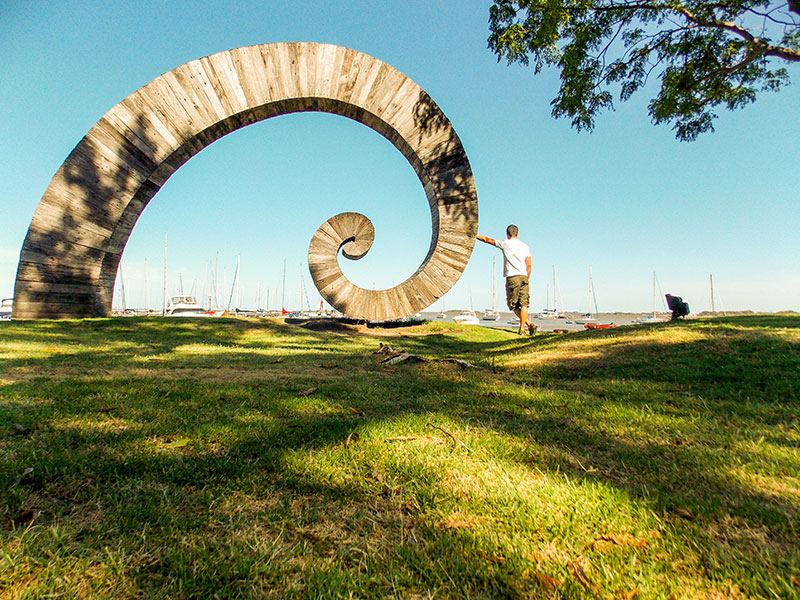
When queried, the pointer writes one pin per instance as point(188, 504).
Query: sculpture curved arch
point(71, 254)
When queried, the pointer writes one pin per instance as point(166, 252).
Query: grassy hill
point(239, 458)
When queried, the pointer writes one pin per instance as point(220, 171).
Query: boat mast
point(225, 285)
point(216, 273)
point(283, 289)
point(594, 297)
point(654, 294)
point(711, 281)
point(146, 289)
point(494, 283)
point(205, 288)
point(238, 279)
point(302, 287)
point(233, 287)
point(164, 303)
point(555, 287)
point(303, 291)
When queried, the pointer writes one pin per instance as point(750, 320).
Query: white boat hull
point(467, 318)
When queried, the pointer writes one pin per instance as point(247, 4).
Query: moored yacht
point(467, 317)
point(491, 314)
point(186, 306)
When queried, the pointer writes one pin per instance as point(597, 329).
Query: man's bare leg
point(525, 326)
point(522, 315)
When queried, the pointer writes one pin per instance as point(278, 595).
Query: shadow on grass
point(114, 458)
point(135, 341)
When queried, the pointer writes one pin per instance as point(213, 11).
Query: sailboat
point(467, 317)
point(652, 318)
point(442, 314)
point(558, 300)
point(587, 318)
point(491, 314)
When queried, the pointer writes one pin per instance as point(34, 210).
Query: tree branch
point(764, 49)
point(768, 16)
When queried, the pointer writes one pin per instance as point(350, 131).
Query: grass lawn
point(232, 458)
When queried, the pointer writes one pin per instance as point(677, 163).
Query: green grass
point(190, 459)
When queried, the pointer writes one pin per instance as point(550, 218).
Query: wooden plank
point(205, 92)
point(144, 145)
point(62, 240)
point(155, 123)
point(82, 262)
point(277, 62)
point(367, 75)
point(86, 177)
point(65, 205)
point(434, 284)
point(63, 288)
point(28, 272)
point(129, 112)
point(381, 98)
point(402, 100)
point(384, 86)
point(46, 307)
point(194, 92)
point(351, 64)
point(252, 75)
point(291, 59)
point(116, 157)
point(306, 69)
point(229, 79)
point(52, 218)
point(170, 110)
point(327, 56)
point(197, 115)
point(59, 298)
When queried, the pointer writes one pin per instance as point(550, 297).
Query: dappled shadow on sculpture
point(70, 257)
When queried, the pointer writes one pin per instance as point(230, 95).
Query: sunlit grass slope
point(229, 458)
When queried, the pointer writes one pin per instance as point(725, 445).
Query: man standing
point(517, 271)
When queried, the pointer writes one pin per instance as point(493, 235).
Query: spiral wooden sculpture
point(69, 260)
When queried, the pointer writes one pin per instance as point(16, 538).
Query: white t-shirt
point(515, 251)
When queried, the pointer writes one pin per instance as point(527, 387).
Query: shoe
point(532, 328)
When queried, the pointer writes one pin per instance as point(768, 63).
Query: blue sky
point(625, 200)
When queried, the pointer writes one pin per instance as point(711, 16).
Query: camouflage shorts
point(517, 292)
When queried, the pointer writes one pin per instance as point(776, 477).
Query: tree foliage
point(707, 53)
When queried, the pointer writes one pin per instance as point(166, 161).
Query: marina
point(507, 320)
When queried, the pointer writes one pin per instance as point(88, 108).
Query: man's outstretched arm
point(486, 240)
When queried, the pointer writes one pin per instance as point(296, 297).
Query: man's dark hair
point(512, 231)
